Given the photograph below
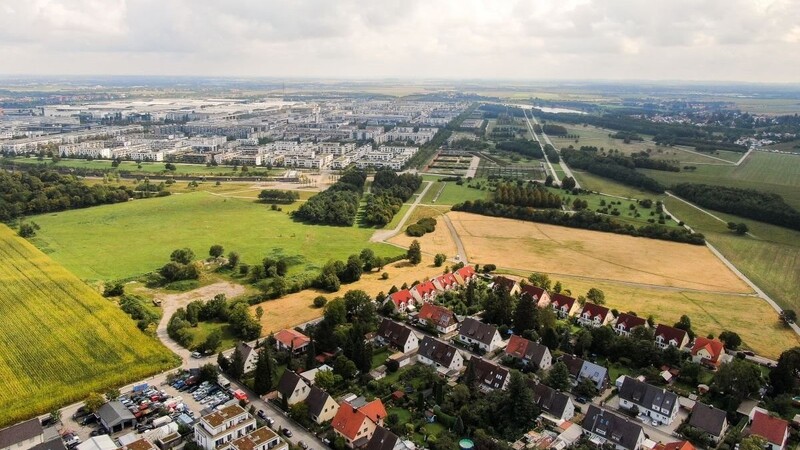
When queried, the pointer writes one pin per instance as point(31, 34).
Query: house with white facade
point(656, 403)
point(221, 427)
point(484, 336)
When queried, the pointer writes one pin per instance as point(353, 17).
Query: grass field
point(770, 257)
point(297, 308)
point(452, 193)
point(149, 167)
point(60, 339)
point(126, 240)
point(769, 172)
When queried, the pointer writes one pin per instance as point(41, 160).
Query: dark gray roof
point(573, 363)
point(477, 330)
point(707, 418)
point(316, 400)
point(646, 395)
point(595, 372)
point(550, 400)
point(114, 413)
point(55, 444)
point(437, 351)
point(535, 352)
point(397, 334)
point(614, 428)
point(488, 373)
point(20, 432)
point(245, 349)
point(288, 383)
point(382, 439)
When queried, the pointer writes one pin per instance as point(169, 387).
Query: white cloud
point(661, 39)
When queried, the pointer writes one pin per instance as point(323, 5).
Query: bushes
point(278, 196)
point(423, 226)
point(621, 169)
point(524, 147)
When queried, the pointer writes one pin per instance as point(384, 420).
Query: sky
point(691, 40)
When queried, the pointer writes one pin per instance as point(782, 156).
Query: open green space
point(129, 239)
point(606, 186)
point(628, 209)
point(203, 329)
point(768, 172)
point(453, 193)
point(770, 257)
point(154, 168)
point(60, 339)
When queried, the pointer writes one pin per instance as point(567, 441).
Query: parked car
point(81, 412)
point(90, 419)
point(196, 355)
point(303, 445)
point(287, 432)
point(581, 400)
point(261, 414)
point(100, 431)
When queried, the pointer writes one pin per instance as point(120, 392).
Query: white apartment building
point(221, 427)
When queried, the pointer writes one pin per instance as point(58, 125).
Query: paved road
point(533, 133)
point(564, 167)
point(383, 235)
point(473, 167)
point(462, 252)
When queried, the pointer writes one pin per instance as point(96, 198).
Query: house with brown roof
point(444, 357)
point(260, 439)
point(357, 425)
point(670, 336)
point(509, 285)
point(397, 335)
point(221, 427)
point(539, 295)
point(321, 406)
point(292, 388)
point(465, 274)
point(709, 352)
point(710, 420)
point(475, 332)
point(773, 429)
point(22, 436)
point(557, 405)
point(249, 355)
point(441, 318)
point(627, 322)
point(490, 375)
point(564, 306)
point(424, 292)
point(402, 300)
point(291, 340)
point(529, 352)
point(594, 315)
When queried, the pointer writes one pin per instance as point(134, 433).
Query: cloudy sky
point(727, 40)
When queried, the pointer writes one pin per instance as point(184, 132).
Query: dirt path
point(384, 235)
point(462, 252)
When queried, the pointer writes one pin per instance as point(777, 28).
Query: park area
point(60, 339)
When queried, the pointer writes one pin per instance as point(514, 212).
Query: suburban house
point(563, 305)
point(310, 376)
point(441, 318)
point(138, 444)
point(357, 425)
point(22, 436)
point(115, 416)
point(680, 445)
point(260, 439)
point(709, 352)
point(292, 388)
point(383, 439)
point(529, 352)
point(249, 355)
point(397, 336)
point(555, 405)
point(507, 284)
point(712, 421)
point(539, 295)
point(446, 282)
point(595, 372)
point(604, 427)
point(402, 300)
point(651, 401)
point(445, 357)
point(627, 322)
point(465, 274)
point(666, 336)
point(594, 315)
point(220, 427)
point(424, 292)
point(773, 429)
point(475, 332)
point(491, 376)
point(321, 406)
point(291, 340)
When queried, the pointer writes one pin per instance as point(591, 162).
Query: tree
point(558, 378)
point(112, 394)
point(320, 301)
point(685, 324)
point(789, 316)
point(223, 362)
point(583, 341)
point(216, 251)
point(233, 259)
point(782, 377)
point(367, 256)
point(212, 342)
point(738, 228)
point(264, 372)
point(541, 280)
point(557, 287)
point(113, 289)
point(753, 442)
point(27, 230)
point(344, 367)
point(55, 414)
point(731, 339)
point(550, 338)
point(499, 307)
point(525, 315)
point(738, 379)
point(586, 388)
point(568, 183)
point(94, 401)
point(325, 380)
point(596, 296)
point(414, 254)
point(439, 259)
point(182, 256)
point(236, 367)
point(259, 312)
point(521, 407)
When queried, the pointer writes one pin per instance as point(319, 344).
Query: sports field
point(60, 339)
point(125, 240)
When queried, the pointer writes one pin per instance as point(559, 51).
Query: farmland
point(60, 339)
point(130, 239)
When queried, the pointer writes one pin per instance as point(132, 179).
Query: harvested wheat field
point(297, 308)
point(559, 250)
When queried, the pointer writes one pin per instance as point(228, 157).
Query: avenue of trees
point(612, 167)
point(389, 192)
point(524, 147)
point(583, 219)
point(338, 204)
point(761, 206)
point(530, 195)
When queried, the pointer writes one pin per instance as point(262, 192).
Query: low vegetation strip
point(60, 339)
point(587, 158)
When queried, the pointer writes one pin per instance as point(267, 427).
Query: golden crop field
point(59, 339)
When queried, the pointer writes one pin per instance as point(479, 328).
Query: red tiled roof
point(447, 279)
point(559, 300)
point(292, 338)
point(713, 346)
point(516, 346)
point(680, 445)
point(466, 272)
point(348, 421)
point(630, 321)
point(426, 287)
point(374, 410)
point(401, 297)
point(670, 333)
point(770, 428)
point(437, 314)
point(595, 310)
